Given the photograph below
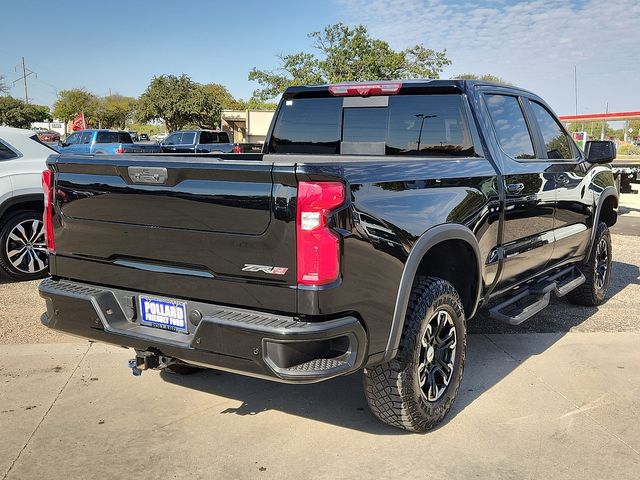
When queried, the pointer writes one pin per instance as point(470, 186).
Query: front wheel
point(597, 270)
point(23, 252)
point(416, 389)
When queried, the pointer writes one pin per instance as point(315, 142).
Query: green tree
point(113, 111)
point(487, 77)
point(347, 54)
point(73, 101)
point(209, 100)
point(172, 99)
point(254, 104)
point(16, 113)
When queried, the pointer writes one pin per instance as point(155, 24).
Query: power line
point(25, 73)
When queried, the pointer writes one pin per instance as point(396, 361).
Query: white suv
point(23, 252)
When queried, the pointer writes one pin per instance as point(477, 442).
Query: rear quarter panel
point(393, 202)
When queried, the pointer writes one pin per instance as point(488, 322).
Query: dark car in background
point(48, 136)
point(197, 141)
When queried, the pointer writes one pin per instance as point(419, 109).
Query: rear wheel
point(597, 270)
point(23, 252)
point(416, 389)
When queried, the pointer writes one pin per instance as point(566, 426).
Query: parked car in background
point(48, 136)
point(143, 137)
point(197, 141)
point(134, 136)
point(158, 137)
point(248, 147)
point(23, 252)
point(104, 142)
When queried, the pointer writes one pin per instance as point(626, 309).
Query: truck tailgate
point(177, 226)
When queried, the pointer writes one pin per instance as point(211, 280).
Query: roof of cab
point(451, 85)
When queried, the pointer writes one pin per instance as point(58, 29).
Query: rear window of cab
point(418, 125)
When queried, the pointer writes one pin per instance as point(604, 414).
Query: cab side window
point(173, 139)
point(207, 138)
point(510, 126)
point(557, 143)
point(188, 138)
point(73, 139)
point(86, 137)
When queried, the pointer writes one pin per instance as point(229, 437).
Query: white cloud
point(532, 44)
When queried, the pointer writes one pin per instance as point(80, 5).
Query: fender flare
point(428, 240)
point(609, 191)
point(19, 199)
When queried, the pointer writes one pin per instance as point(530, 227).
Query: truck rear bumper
point(252, 343)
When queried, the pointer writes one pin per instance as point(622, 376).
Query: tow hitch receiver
point(143, 361)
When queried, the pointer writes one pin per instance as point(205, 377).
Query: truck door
point(574, 199)
point(527, 242)
point(169, 144)
point(84, 145)
point(187, 143)
point(70, 145)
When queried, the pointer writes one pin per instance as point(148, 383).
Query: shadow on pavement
point(341, 401)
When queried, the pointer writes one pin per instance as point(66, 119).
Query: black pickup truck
point(378, 219)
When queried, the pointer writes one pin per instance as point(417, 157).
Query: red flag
point(79, 122)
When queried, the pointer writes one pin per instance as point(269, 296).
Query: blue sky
point(120, 45)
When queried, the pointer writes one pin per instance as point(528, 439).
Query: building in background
point(247, 126)
point(55, 126)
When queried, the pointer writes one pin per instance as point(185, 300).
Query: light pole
point(422, 118)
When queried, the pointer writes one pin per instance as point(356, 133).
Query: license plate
point(163, 314)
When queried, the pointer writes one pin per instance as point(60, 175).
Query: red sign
point(79, 122)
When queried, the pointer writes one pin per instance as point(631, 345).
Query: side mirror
point(600, 151)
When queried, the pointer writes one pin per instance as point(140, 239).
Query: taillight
point(318, 248)
point(120, 149)
point(365, 89)
point(236, 149)
point(47, 216)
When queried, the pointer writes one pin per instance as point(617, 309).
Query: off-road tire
point(393, 389)
point(5, 229)
point(589, 293)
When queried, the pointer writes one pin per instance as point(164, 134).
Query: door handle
point(515, 187)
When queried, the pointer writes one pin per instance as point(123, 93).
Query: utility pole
point(604, 122)
point(25, 73)
point(575, 85)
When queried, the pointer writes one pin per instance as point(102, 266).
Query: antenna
point(25, 73)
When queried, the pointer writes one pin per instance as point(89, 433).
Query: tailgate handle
point(154, 175)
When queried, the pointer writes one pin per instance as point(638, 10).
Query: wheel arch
point(20, 203)
point(606, 211)
point(427, 257)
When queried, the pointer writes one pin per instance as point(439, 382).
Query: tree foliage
point(486, 77)
point(73, 101)
point(16, 113)
point(347, 54)
point(169, 98)
point(179, 101)
point(113, 111)
point(210, 99)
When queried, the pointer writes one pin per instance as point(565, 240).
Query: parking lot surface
point(557, 397)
